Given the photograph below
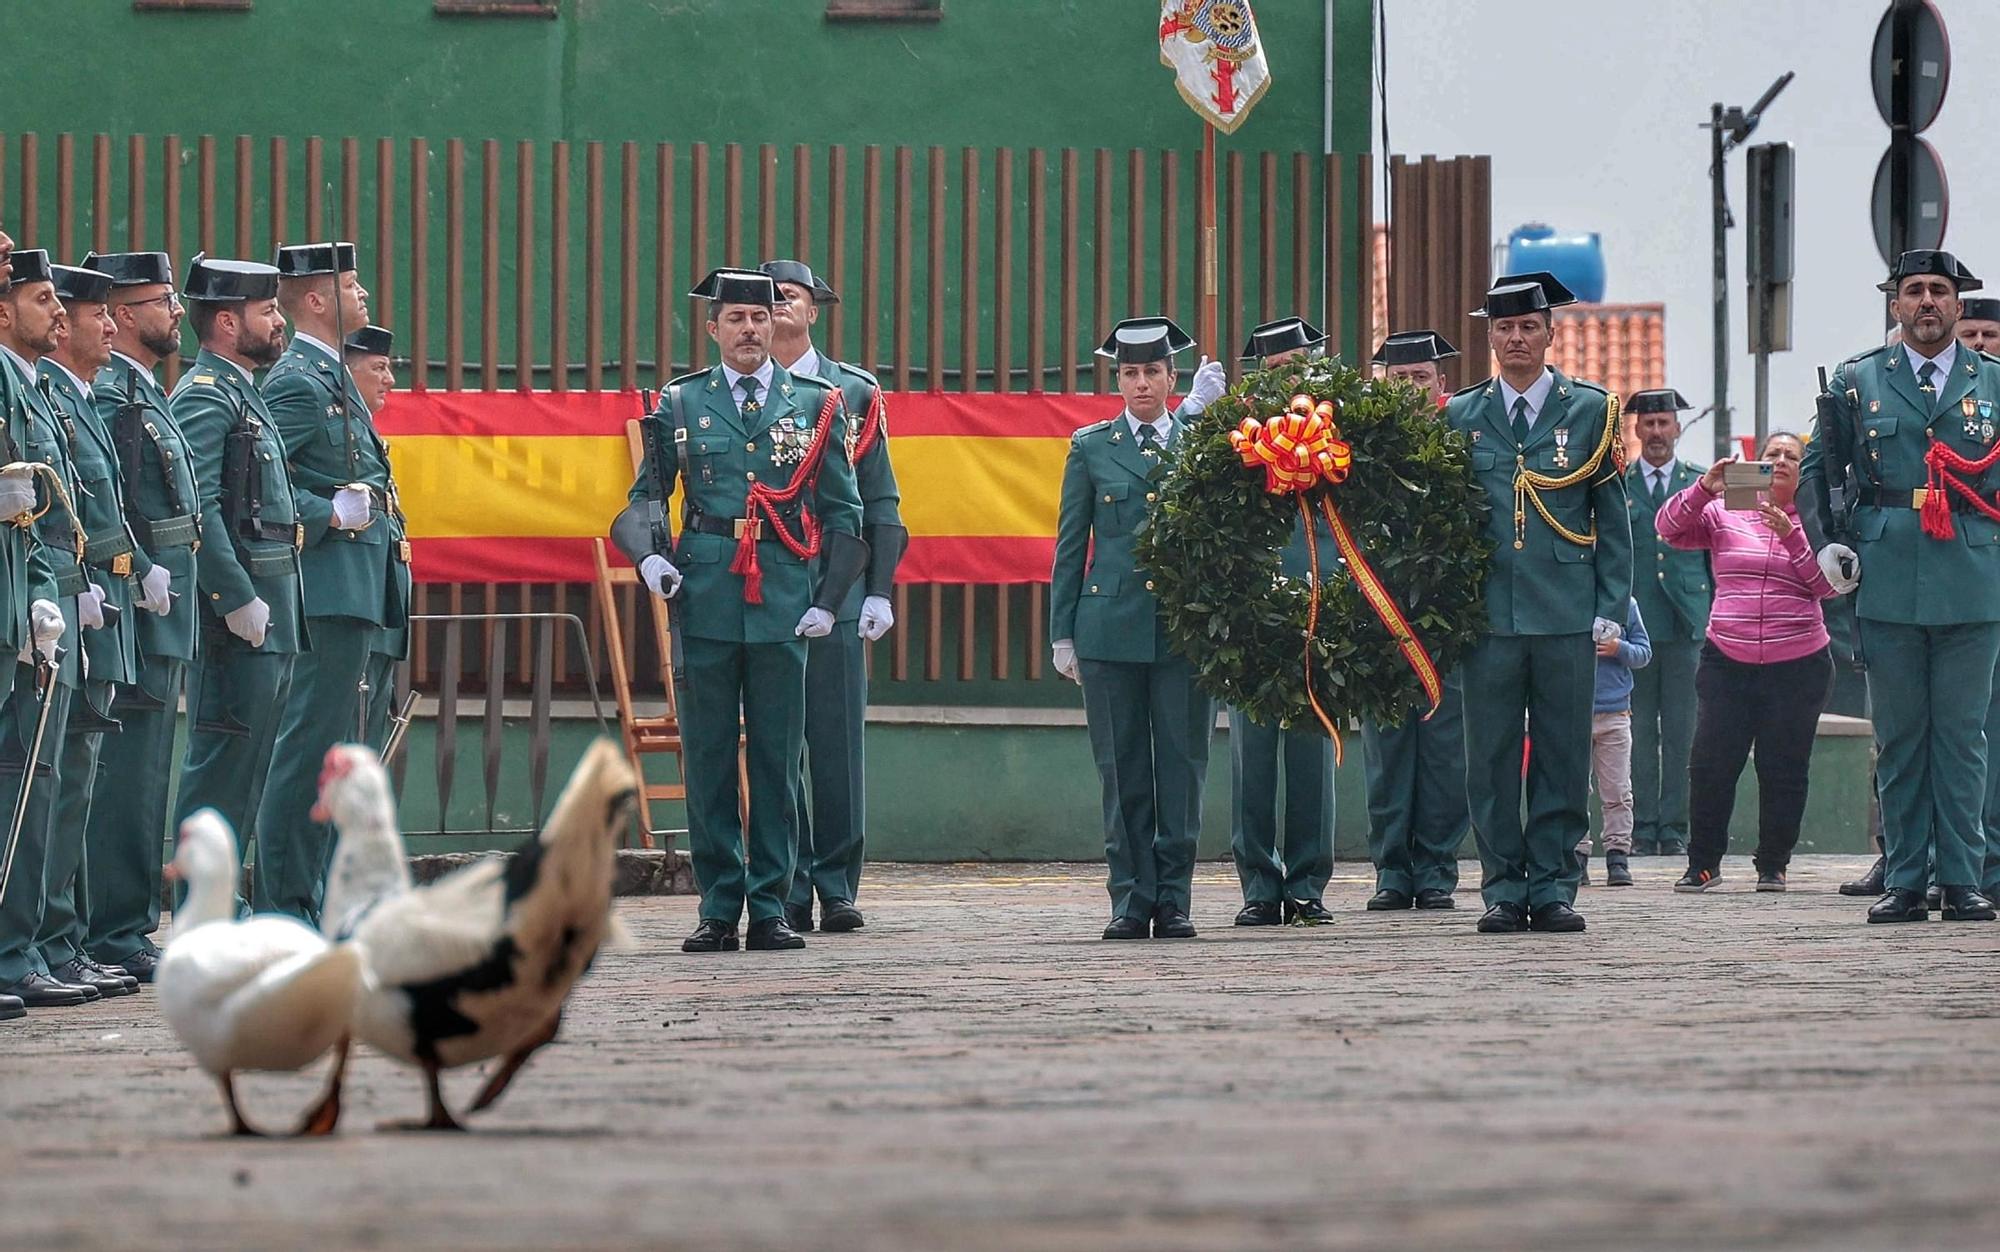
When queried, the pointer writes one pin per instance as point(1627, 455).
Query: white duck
point(479, 963)
point(263, 993)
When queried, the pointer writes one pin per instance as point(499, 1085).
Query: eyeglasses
point(172, 300)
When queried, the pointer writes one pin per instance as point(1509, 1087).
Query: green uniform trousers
point(382, 699)
point(831, 804)
point(1990, 878)
point(66, 917)
point(1149, 730)
point(1662, 735)
point(225, 769)
point(323, 708)
point(1550, 679)
point(1416, 796)
point(1255, 754)
point(41, 852)
point(128, 816)
point(766, 684)
point(1930, 688)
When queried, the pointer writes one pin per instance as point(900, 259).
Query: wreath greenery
point(1214, 548)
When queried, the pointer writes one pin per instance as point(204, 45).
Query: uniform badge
point(1968, 406)
point(1874, 406)
point(1562, 447)
point(706, 421)
point(1475, 436)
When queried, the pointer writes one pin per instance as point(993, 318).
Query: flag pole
point(1206, 328)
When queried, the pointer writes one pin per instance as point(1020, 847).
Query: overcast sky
point(1591, 111)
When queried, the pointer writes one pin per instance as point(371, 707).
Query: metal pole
point(1720, 207)
point(1764, 390)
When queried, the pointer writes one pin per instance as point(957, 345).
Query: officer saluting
point(1149, 724)
point(1898, 495)
point(1416, 771)
point(1545, 447)
point(762, 457)
point(373, 375)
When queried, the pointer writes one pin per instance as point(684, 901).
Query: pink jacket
point(1767, 589)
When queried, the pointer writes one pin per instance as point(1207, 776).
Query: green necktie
point(748, 386)
point(1149, 439)
point(1659, 491)
point(1927, 380)
point(1520, 419)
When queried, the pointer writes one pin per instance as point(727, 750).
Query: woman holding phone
point(1765, 670)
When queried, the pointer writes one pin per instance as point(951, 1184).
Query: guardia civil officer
point(373, 374)
point(247, 569)
point(1546, 449)
point(1283, 888)
point(1149, 724)
point(1416, 770)
point(128, 810)
point(1899, 514)
point(832, 803)
point(1979, 330)
point(760, 455)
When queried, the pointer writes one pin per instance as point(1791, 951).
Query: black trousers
point(1775, 710)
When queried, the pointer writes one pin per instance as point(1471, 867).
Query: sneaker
point(1770, 880)
point(1697, 880)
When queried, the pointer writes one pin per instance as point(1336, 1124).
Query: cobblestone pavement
point(976, 1070)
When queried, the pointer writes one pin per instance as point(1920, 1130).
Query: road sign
point(1911, 65)
point(1925, 200)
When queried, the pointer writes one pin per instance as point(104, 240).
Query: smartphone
point(1745, 485)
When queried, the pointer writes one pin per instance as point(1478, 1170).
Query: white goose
point(479, 963)
point(264, 993)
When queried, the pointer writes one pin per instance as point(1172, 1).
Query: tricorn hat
point(1657, 400)
point(1137, 340)
point(1512, 295)
point(31, 265)
point(1282, 335)
point(1931, 261)
point(1979, 309)
point(800, 274)
point(371, 341)
point(225, 282)
point(734, 286)
point(1414, 347)
point(301, 260)
point(132, 269)
point(75, 283)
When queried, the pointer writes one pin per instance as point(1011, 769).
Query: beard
point(163, 343)
point(265, 351)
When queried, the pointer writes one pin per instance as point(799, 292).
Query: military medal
point(1562, 447)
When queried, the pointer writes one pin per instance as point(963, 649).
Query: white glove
point(1065, 658)
point(659, 574)
point(45, 627)
point(17, 492)
point(155, 595)
point(90, 607)
point(350, 508)
point(876, 617)
point(1604, 628)
point(249, 622)
point(1210, 381)
point(1841, 567)
point(816, 624)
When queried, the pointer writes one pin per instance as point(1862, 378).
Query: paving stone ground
point(976, 1070)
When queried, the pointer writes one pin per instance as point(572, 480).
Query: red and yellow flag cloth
point(512, 486)
point(1217, 59)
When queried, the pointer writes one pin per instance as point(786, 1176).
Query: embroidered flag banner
point(1217, 59)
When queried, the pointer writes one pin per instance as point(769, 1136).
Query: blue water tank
point(1578, 260)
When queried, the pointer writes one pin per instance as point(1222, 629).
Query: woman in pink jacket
point(1765, 670)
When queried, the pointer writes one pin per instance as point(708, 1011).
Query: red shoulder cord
point(871, 431)
point(1945, 466)
point(765, 499)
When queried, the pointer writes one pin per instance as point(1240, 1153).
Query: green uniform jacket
point(110, 649)
point(25, 572)
point(1886, 428)
point(58, 527)
point(1109, 487)
point(720, 454)
point(874, 476)
point(234, 566)
point(1672, 586)
point(1548, 585)
point(330, 442)
point(161, 491)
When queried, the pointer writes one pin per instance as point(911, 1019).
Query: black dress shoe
point(39, 991)
point(11, 1008)
point(1128, 928)
point(839, 916)
point(1504, 918)
point(1389, 900)
point(711, 937)
point(772, 935)
point(1870, 883)
point(1617, 870)
point(140, 965)
point(1434, 898)
point(111, 971)
point(1555, 918)
point(1307, 913)
point(1967, 904)
point(1899, 904)
point(79, 973)
point(1934, 897)
point(1260, 913)
point(1171, 923)
point(799, 917)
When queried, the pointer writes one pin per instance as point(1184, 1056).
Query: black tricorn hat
point(225, 282)
point(800, 274)
point(1657, 400)
point(1282, 335)
point(1930, 261)
point(132, 269)
point(1511, 295)
point(31, 265)
point(1414, 347)
point(76, 283)
point(1137, 340)
point(301, 260)
point(371, 341)
point(734, 286)
point(1979, 309)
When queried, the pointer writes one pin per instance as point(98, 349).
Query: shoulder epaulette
point(813, 380)
point(1093, 428)
point(1862, 356)
point(688, 377)
point(1588, 386)
point(1481, 385)
point(857, 372)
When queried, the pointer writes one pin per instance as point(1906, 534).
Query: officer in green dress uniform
point(31, 325)
point(1149, 724)
point(374, 377)
point(128, 811)
point(1288, 888)
point(1673, 588)
point(832, 799)
point(1895, 506)
point(247, 569)
point(340, 485)
point(1546, 448)
point(761, 454)
point(1416, 771)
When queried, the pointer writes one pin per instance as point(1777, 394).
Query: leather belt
point(169, 532)
point(1882, 498)
point(270, 564)
point(731, 527)
point(292, 534)
point(71, 580)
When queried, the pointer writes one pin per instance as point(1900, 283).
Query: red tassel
point(746, 565)
point(1936, 514)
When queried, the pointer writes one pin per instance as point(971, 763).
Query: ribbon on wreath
point(1298, 450)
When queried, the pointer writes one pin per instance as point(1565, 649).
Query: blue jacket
point(1614, 674)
